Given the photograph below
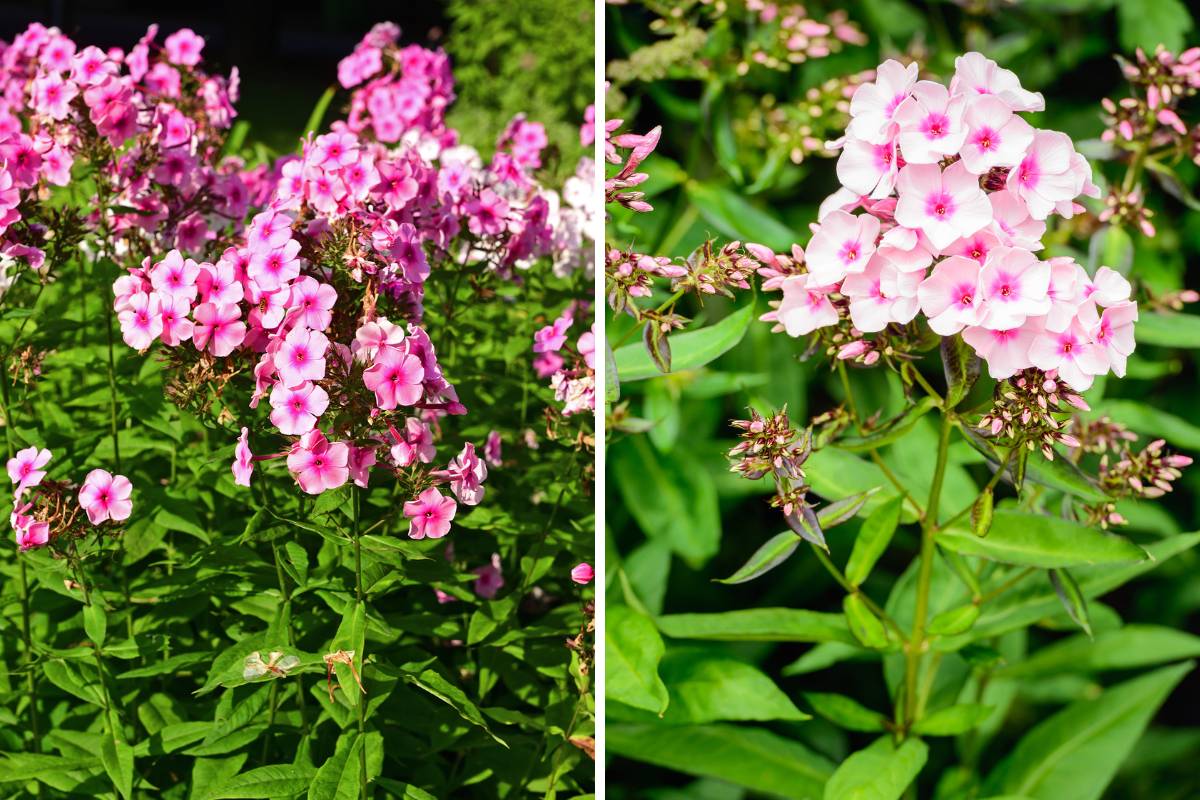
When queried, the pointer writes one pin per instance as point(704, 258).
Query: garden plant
point(301, 444)
point(900, 393)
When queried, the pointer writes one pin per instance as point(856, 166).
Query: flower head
point(105, 496)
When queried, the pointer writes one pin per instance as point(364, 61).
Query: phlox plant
point(330, 535)
point(958, 443)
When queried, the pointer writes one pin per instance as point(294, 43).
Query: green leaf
point(689, 350)
point(1124, 648)
point(658, 346)
point(117, 757)
point(706, 689)
point(872, 540)
point(846, 712)
point(891, 430)
point(1110, 247)
point(276, 780)
point(728, 212)
point(953, 621)
point(633, 650)
point(612, 379)
point(1072, 598)
point(313, 124)
point(961, 366)
point(95, 623)
point(1037, 540)
point(669, 500)
point(880, 772)
point(1149, 23)
point(865, 626)
point(338, 777)
point(1168, 329)
point(839, 511)
point(433, 681)
point(953, 720)
point(771, 554)
point(1074, 754)
point(835, 474)
point(758, 625)
point(750, 757)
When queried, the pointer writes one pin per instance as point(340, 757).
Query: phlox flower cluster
point(320, 297)
point(944, 200)
point(571, 370)
point(46, 510)
point(148, 121)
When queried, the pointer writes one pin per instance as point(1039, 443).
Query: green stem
point(356, 503)
point(991, 485)
point(32, 687)
point(916, 643)
point(850, 588)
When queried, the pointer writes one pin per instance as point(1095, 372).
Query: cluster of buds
point(1127, 208)
point(800, 128)
point(771, 446)
point(1160, 82)
point(796, 37)
point(630, 274)
point(1023, 412)
point(1099, 436)
point(1173, 300)
point(1145, 474)
point(639, 146)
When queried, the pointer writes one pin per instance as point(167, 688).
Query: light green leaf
point(953, 720)
point(1168, 329)
point(873, 539)
point(880, 772)
point(95, 623)
point(953, 621)
point(728, 212)
point(750, 757)
point(1125, 648)
point(845, 712)
point(117, 757)
point(276, 780)
point(1149, 23)
point(1037, 540)
point(706, 689)
point(1075, 753)
point(633, 650)
point(865, 626)
point(758, 625)
point(690, 349)
point(771, 554)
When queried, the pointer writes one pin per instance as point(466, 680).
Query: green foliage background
point(736, 678)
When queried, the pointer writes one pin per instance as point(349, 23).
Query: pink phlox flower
point(945, 206)
point(317, 463)
point(466, 473)
point(930, 124)
point(141, 320)
point(587, 347)
point(302, 356)
point(361, 459)
point(1048, 174)
point(950, 297)
point(176, 327)
point(976, 74)
point(396, 378)
point(868, 169)
point(551, 338)
point(273, 269)
point(218, 283)
point(491, 578)
point(295, 410)
point(25, 468)
point(1011, 223)
point(313, 302)
point(874, 104)
point(1006, 352)
point(105, 496)
point(371, 336)
point(996, 137)
point(414, 444)
point(881, 295)
point(1071, 353)
point(175, 276)
point(1113, 332)
point(842, 244)
point(805, 306)
point(430, 514)
point(218, 328)
point(583, 573)
point(183, 47)
point(491, 448)
point(243, 459)
point(1014, 286)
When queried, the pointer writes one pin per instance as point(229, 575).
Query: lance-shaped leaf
point(880, 772)
point(846, 712)
point(961, 366)
point(612, 381)
point(954, 620)
point(757, 625)
point(1072, 598)
point(633, 650)
point(865, 626)
point(803, 520)
point(658, 346)
point(766, 558)
point(953, 720)
point(840, 511)
point(689, 349)
point(1036, 540)
point(873, 538)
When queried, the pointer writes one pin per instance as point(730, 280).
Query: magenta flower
point(183, 47)
point(105, 496)
point(373, 335)
point(295, 411)
point(317, 463)
point(175, 277)
point(313, 301)
point(52, 95)
point(415, 444)
point(943, 205)
point(176, 327)
point(396, 378)
point(490, 580)
point(218, 328)
point(804, 308)
point(272, 269)
point(141, 321)
point(25, 468)
point(491, 448)
point(430, 514)
point(360, 461)
point(587, 346)
point(467, 473)
point(302, 356)
point(30, 532)
point(842, 245)
point(243, 459)
point(583, 573)
point(551, 338)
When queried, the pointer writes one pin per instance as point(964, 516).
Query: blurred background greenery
point(734, 163)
